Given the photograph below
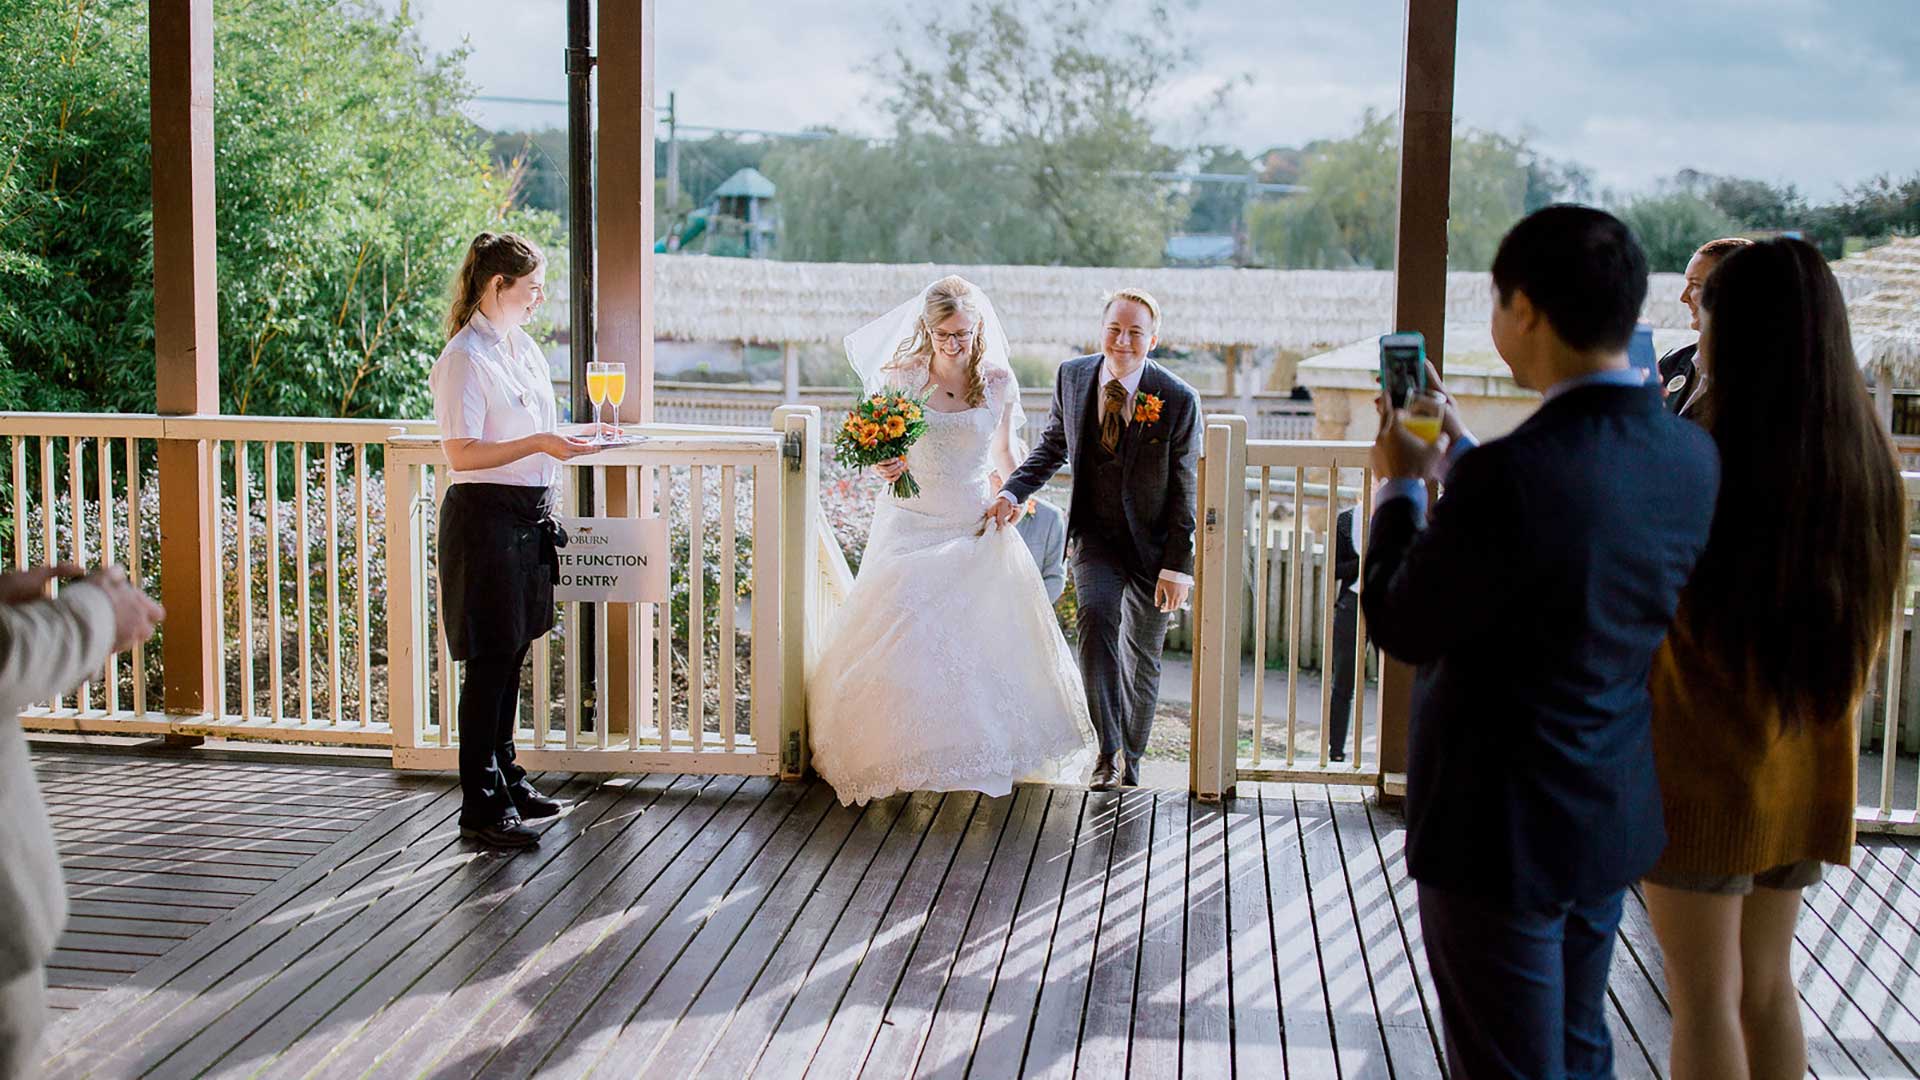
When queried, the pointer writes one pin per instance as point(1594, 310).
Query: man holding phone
point(1531, 603)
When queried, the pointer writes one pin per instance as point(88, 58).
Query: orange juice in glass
point(596, 388)
point(616, 390)
point(1421, 418)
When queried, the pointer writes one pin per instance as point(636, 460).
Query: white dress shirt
point(493, 386)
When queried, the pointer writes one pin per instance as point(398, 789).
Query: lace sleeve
point(1003, 397)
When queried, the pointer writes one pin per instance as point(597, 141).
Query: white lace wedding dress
point(945, 669)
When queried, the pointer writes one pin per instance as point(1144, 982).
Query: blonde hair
point(946, 298)
point(508, 255)
point(1139, 296)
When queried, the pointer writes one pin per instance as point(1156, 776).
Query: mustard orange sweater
point(1743, 795)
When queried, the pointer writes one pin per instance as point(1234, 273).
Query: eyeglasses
point(943, 339)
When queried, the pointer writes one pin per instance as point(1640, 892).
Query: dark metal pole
point(580, 299)
point(580, 203)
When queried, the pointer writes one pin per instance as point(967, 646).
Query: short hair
point(1139, 296)
point(1581, 267)
point(1721, 248)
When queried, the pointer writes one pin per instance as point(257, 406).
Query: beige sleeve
point(48, 646)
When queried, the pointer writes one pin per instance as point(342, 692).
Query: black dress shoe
point(1103, 774)
point(1336, 755)
point(1130, 777)
point(511, 833)
point(533, 805)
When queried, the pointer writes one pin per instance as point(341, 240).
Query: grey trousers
point(1121, 636)
point(23, 1016)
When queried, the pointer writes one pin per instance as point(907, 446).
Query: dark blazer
point(1346, 558)
point(1532, 603)
point(1160, 459)
point(1679, 362)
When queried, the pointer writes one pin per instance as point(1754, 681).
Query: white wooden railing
point(753, 492)
point(1892, 707)
point(277, 482)
point(1263, 505)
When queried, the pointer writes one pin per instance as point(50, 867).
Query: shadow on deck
point(240, 918)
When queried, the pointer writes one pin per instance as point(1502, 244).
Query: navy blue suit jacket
point(1532, 603)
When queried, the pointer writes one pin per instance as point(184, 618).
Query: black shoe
point(510, 833)
point(1336, 755)
point(533, 805)
point(1130, 777)
point(1103, 774)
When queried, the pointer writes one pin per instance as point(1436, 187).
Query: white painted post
point(406, 693)
point(1215, 730)
point(798, 561)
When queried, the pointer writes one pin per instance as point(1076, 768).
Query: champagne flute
point(596, 391)
point(616, 391)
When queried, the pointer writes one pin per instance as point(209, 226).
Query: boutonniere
point(1146, 409)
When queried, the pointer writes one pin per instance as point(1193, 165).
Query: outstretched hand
point(20, 586)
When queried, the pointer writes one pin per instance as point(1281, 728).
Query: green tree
point(1220, 206)
point(1672, 225)
point(347, 184)
point(1063, 93)
point(1345, 218)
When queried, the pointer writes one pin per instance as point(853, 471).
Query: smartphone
point(1640, 352)
point(1403, 366)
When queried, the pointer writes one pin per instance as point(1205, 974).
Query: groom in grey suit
point(1131, 430)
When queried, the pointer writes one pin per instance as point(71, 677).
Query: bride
point(945, 669)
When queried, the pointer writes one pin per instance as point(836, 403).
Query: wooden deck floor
point(240, 919)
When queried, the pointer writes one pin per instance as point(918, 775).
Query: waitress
point(495, 409)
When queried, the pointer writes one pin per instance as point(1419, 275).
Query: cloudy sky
point(1814, 92)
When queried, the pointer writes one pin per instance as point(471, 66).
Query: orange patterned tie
point(1112, 415)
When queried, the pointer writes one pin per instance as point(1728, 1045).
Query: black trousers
point(1523, 994)
point(1121, 636)
point(1346, 627)
point(489, 694)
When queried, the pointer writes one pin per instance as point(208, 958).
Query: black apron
point(498, 567)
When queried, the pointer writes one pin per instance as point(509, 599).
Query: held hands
point(1169, 596)
point(891, 469)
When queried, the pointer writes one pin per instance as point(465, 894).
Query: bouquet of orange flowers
point(880, 428)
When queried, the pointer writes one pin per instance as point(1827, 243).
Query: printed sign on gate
point(613, 560)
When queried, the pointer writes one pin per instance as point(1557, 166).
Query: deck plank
point(1106, 1031)
point(905, 876)
point(775, 830)
point(1158, 991)
point(907, 1017)
point(1206, 1026)
point(661, 992)
point(531, 907)
point(960, 1013)
point(1022, 976)
point(1358, 1040)
point(1403, 1019)
point(1253, 975)
point(1305, 1014)
point(228, 921)
point(721, 818)
point(723, 1032)
point(1067, 972)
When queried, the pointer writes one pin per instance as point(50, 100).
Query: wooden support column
point(623, 210)
point(186, 340)
point(1419, 267)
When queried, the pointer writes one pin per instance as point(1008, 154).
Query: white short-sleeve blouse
point(492, 385)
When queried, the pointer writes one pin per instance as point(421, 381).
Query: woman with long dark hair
point(494, 406)
point(1777, 633)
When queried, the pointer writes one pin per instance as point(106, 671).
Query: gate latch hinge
point(793, 450)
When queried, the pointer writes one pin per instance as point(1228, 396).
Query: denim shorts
point(1793, 875)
